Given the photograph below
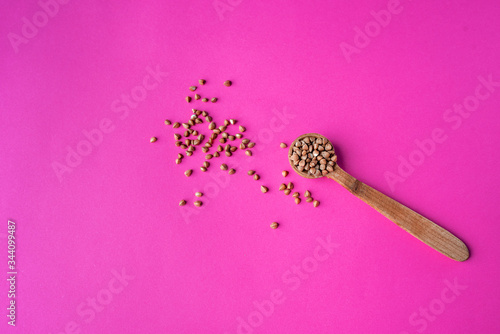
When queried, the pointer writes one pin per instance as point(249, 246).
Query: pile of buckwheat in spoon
point(315, 156)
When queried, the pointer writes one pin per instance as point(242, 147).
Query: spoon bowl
point(297, 143)
point(415, 224)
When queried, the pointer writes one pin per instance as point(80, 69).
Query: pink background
point(118, 210)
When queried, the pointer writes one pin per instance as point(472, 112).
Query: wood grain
point(415, 224)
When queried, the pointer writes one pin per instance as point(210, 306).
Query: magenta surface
point(408, 92)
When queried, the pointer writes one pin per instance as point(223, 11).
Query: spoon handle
point(415, 224)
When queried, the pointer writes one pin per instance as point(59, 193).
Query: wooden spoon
point(418, 226)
